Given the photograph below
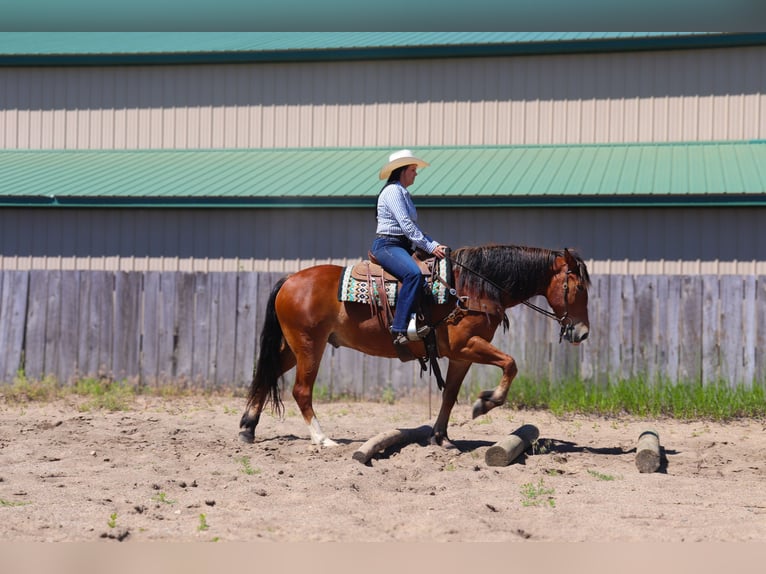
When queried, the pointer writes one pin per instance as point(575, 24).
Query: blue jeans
point(395, 255)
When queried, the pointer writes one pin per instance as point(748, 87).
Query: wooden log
point(648, 451)
point(503, 452)
point(387, 439)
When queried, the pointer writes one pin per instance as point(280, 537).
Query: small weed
point(104, 394)
point(600, 475)
point(246, 468)
point(112, 522)
point(388, 396)
point(450, 466)
point(4, 502)
point(203, 525)
point(163, 498)
point(537, 494)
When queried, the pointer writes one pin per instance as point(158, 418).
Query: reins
point(564, 321)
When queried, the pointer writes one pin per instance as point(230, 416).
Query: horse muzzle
point(574, 333)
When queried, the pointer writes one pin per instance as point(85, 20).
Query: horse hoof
point(247, 436)
point(443, 442)
point(328, 442)
point(478, 408)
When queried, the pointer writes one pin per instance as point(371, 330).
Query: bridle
point(566, 323)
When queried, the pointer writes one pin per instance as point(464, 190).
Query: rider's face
point(408, 175)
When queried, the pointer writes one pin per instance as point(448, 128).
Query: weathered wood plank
point(94, 340)
point(711, 330)
point(37, 309)
point(749, 326)
point(150, 330)
point(690, 331)
point(226, 329)
point(669, 296)
point(615, 327)
point(184, 327)
point(67, 367)
point(14, 286)
point(731, 340)
point(127, 332)
point(166, 334)
point(201, 329)
point(53, 332)
point(760, 328)
point(595, 360)
point(628, 334)
point(645, 360)
point(214, 310)
point(246, 335)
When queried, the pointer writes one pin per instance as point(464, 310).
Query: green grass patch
point(718, 401)
point(601, 475)
point(95, 393)
point(246, 467)
point(537, 494)
point(11, 503)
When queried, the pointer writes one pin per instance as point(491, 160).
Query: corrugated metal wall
point(613, 240)
point(623, 97)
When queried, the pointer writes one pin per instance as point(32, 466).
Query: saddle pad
point(355, 290)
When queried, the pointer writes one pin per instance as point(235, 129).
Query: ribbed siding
point(696, 95)
point(613, 240)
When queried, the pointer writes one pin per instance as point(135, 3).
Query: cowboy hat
point(399, 159)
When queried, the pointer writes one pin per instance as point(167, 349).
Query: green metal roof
point(109, 48)
point(719, 173)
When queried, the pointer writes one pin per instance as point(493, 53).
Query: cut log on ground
point(648, 451)
point(503, 452)
point(387, 439)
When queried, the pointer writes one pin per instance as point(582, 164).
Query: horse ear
point(571, 260)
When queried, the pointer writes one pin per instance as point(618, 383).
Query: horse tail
point(268, 368)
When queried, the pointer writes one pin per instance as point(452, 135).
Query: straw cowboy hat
point(398, 159)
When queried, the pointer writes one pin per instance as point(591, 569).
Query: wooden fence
point(154, 328)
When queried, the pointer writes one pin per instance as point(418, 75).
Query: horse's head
point(567, 295)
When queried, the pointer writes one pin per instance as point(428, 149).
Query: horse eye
point(580, 287)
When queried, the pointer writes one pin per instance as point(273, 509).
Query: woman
point(398, 235)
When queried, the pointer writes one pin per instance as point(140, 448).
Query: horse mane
point(517, 270)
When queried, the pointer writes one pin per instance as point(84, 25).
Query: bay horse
point(303, 315)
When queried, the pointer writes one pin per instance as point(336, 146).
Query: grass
point(684, 400)
point(95, 393)
point(112, 522)
point(163, 498)
point(244, 461)
point(203, 525)
point(600, 475)
point(687, 401)
point(11, 503)
point(537, 494)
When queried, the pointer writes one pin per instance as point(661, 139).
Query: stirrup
point(400, 339)
point(415, 333)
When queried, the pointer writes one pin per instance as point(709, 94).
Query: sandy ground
point(175, 470)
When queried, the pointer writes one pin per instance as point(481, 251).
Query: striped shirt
point(397, 216)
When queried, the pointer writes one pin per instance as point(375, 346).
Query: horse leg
point(252, 414)
point(308, 367)
point(483, 352)
point(456, 372)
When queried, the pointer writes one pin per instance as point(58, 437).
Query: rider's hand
point(440, 251)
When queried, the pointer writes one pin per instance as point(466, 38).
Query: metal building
point(259, 151)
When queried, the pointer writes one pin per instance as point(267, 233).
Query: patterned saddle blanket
point(355, 288)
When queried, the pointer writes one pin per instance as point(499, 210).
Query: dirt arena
point(175, 470)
